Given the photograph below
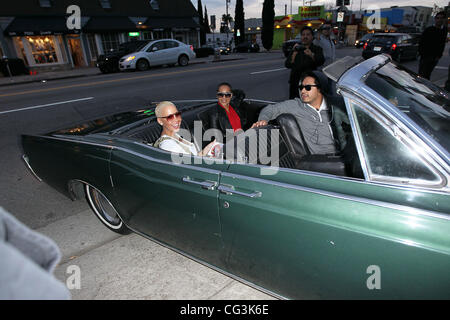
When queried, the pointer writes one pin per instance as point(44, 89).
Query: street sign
point(213, 22)
point(340, 16)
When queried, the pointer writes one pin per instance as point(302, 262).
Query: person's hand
point(259, 123)
point(206, 149)
point(309, 53)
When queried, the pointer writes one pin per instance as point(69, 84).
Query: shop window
point(147, 35)
point(42, 49)
point(154, 4)
point(92, 46)
point(166, 34)
point(110, 41)
point(45, 3)
point(105, 4)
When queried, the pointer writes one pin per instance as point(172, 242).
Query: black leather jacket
point(218, 118)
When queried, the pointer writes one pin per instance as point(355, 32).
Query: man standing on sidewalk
point(432, 44)
point(324, 41)
point(304, 57)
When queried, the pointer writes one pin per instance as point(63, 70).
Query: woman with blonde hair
point(169, 118)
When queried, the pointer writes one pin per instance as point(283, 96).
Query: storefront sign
point(133, 34)
point(313, 12)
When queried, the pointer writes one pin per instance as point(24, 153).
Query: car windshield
point(386, 39)
point(422, 101)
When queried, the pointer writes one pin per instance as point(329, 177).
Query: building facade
point(55, 35)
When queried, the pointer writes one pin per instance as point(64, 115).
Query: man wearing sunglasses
point(319, 119)
point(303, 58)
point(324, 41)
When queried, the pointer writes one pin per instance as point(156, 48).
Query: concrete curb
point(44, 77)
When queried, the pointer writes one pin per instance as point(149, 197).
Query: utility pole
point(227, 2)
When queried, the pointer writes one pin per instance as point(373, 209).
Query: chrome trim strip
point(377, 203)
point(27, 162)
point(234, 277)
point(230, 191)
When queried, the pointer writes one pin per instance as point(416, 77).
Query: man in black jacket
point(303, 58)
point(432, 44)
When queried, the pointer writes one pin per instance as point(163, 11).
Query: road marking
point(273, 70)
point(442, 68)
point(46, 105)
point(88, 84)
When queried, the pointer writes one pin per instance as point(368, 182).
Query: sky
point(253, 8)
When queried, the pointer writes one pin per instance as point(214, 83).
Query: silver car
point(156, 53)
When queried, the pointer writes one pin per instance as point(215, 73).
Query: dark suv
point(400, 46)
point(109, 62)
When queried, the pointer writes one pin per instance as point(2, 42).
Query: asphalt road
point(44, 106)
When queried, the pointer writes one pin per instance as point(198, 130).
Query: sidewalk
point(92, 71)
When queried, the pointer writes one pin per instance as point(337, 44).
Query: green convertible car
point(370, 222)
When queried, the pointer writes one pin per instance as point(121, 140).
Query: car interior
point(291, 146)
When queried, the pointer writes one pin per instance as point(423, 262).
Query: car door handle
point(229, 190)
point(208, 185)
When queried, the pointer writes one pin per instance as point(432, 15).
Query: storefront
point(46, 44)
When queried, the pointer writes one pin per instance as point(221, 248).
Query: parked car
point(158, 52)
point(289, 44)
point(204, 51)
point(400, 46)
point(247, 46)
point(365, 38)
point(371, 222)
point(109, 62)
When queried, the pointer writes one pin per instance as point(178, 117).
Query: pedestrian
point(304, 57)
point(432, 44)
point(324, 41)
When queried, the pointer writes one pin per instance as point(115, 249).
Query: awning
point(167, 23)
point(109, 24)
point(33, 26)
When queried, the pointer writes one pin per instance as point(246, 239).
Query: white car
point(156, 53)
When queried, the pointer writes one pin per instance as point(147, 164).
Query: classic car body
point(377, 229)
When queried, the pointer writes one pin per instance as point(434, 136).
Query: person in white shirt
point(169, 118)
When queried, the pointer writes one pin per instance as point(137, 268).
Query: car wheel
point(183, 60)
point(142, 65)
point(103, 70)
point(104, 210)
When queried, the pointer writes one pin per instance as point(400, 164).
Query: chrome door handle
point(208, 185)
point(229, 190)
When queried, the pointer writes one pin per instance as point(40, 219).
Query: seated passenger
point(170, 119)
point(320, 120)
point(224, 116)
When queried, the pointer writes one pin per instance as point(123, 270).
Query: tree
point(202, 25)
point(206, 22)
point(268, 14)
point(225, 24)
point(239, 22)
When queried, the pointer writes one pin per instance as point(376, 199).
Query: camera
point(299, 48)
